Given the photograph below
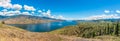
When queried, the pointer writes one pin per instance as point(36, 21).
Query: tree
point(3, 22)
point(116, 29)
point(108, 29)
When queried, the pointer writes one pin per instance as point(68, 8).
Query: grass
point(90, 30)
point(10, 33)
point(108, 38)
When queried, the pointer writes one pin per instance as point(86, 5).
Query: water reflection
point(44, 27)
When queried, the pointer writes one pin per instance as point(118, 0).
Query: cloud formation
point(46, 14)
point(10, 9)
point(117, 11)
point(60, 17)
point(5, 4)
point(29, 8)
point(5, 12)
point(107, 11)
point(17, 7)
point(39, 11)
point(26, 13)
point(96, 17)
point(13, 9)
point(104, 16)
point(8, 5)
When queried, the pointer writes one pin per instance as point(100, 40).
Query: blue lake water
point(45, 27)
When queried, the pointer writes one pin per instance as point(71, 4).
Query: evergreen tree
point(116, 29)
point(3, 22)
point(107, 29)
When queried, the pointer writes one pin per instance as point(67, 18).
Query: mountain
point(111, 20)
point(2, 17)
point(26, 19)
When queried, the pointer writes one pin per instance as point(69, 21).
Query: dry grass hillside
point(10, 33)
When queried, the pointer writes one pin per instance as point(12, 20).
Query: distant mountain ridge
point(26, 19)
point(2, 17)
point(111, 20)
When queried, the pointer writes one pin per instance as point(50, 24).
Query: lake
point(45, 27)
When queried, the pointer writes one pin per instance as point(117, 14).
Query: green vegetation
point(11, 33)
point(116, 29)
point(91, 29)
point(95, 31)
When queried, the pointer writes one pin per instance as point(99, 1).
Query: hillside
point(26, 19)
point(107, 31)
point(11, 33)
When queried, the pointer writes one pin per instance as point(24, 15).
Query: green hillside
point(83, 31)
point(92, 30)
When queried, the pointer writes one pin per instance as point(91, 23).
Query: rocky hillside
point(26, 19)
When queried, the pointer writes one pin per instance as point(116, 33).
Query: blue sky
point(73, 9)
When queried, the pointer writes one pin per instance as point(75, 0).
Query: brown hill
point(26, 19)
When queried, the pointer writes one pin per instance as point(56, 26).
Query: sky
point(63, 9)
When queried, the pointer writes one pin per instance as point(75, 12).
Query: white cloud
point(4, 12)
point(5, 4)
point(29, 8)
point(60, 17)
point(1, 13)
point(46, 14)
point(8, 5)
point(117, 11)
point(9, 13)
point(17, 7)
point(107, 11)
point(96, 17)
point(26, 13)
point(52, 16)
point(33, 12)
point(39, 11)
point(5, 1)
point(13, 12)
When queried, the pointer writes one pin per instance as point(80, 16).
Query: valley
point(11, 33)
point(59, 20)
